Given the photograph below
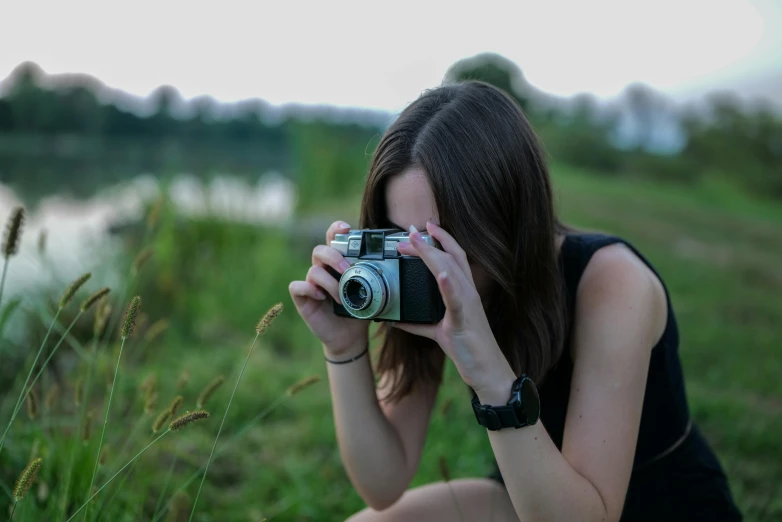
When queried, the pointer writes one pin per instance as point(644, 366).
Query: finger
point(338, 227)
point(424, 330)
point(449, 289)
point(303, 289)
point(318, 276)
point(328, 256)
point(450, 245)
point(435, 259)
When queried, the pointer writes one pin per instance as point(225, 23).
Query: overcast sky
point(383, 54)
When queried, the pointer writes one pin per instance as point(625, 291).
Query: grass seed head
point(173, 408)
point(149, 384)
point(27, 478)
point(301, 385)
point(72, 289)
point(267, 319)
point(183, 379)
point(188, 418)
point(150, 403)
point(209, 390)
point(161, 420)
point(94, 298)
point(155, 329)
point(13, 232)
point(129, 321)
point(140, 260)
point(32, 404)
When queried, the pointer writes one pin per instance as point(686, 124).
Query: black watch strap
point(495, 418)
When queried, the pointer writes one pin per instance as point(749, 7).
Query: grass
point(719, 253)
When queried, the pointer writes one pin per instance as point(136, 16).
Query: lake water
point(77, 230)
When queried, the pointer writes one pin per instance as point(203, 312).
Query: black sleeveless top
point(675, 474)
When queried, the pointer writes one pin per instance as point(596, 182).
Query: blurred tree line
point(644, 134)
point(71, 133)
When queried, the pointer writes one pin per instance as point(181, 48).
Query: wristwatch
point(522, 409)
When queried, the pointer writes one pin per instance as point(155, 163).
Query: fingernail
point(413, 230)
point(344, 225)
point(344, 265)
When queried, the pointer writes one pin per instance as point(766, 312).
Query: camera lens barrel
point(363, 290)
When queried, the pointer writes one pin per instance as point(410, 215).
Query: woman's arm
point(620, 315)
point(380, 443)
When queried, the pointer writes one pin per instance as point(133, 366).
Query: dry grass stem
point(209, 390)
point(445, 472)
point(27, 478)
point(42, 236)
point(78, 391)
point(86, 429)
point(102, 315)
point(51, 397)
point(446, 407)
point(13, 232)
point(179, 508)
point(301, 385)
point(154, 212)
point(32, 404)
point(129, 321)
point(72, 289)
point(94, 298)
point(188, 418)
point(268, 317)
point(104, 455)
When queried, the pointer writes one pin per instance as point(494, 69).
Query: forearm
point(371, 449)
point(541, 483)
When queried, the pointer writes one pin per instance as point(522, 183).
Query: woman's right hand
point(341, 336)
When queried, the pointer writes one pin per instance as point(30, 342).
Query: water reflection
point(77, 230)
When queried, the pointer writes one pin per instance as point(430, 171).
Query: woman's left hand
point(463, 333)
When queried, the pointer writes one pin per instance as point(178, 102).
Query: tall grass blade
point(263, 325)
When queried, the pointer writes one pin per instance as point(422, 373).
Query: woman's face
point(409, 201)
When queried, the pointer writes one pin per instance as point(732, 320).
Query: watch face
point(531, 401)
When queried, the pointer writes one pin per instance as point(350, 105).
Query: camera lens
point(356, 293)
point(363, 290)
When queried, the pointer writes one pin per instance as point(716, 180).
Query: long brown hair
point(491, 186)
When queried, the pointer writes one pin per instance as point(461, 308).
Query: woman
point(584, 317)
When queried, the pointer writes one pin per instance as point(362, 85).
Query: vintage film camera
point(382, 284)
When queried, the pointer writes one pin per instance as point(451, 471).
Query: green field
point(719, 253)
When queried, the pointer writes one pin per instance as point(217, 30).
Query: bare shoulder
point(618, 284)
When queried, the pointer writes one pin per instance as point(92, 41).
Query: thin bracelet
point(359, 356)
